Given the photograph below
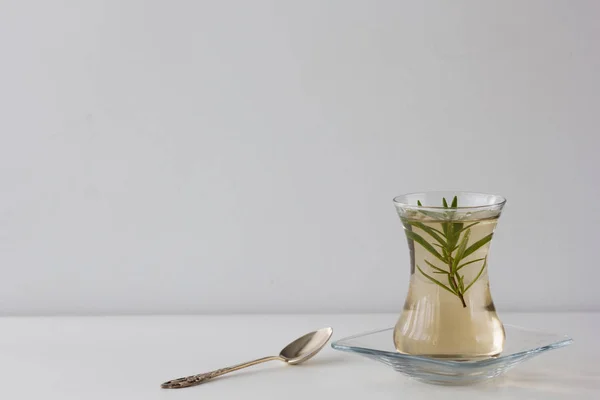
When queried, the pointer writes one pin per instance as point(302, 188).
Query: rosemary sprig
point(454, 249)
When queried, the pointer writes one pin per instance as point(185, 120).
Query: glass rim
point(501, 200)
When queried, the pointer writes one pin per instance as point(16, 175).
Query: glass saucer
point(521, 345)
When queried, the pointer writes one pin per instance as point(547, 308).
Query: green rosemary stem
point(458, 293)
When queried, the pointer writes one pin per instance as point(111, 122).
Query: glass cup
point(449, 312)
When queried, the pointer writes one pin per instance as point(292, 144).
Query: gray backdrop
point(242, 156)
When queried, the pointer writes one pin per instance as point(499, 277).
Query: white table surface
point(88, 358)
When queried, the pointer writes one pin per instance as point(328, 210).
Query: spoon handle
point(194, 380)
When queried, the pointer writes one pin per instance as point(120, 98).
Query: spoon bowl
point(305, 347)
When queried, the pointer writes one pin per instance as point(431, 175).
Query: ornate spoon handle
point(194, 380)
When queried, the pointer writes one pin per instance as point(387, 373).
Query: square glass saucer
point(521, 345)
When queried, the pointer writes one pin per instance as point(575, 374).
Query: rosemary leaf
point(444, 202)
point(446, 229)
point(452, 236)
point(436, 268)
point(467, 227)
point(461, 249)
point(419, 203)
point(461, 282)
point(436, 231)
point(477, 277)
point(444, 249)
point(431, 231)
point(457, 228)
point(432, 279)
point(467, 263)
point(475, 246)
point(419, 239)
point(454, 202)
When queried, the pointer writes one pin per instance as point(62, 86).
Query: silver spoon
point(294, 353)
